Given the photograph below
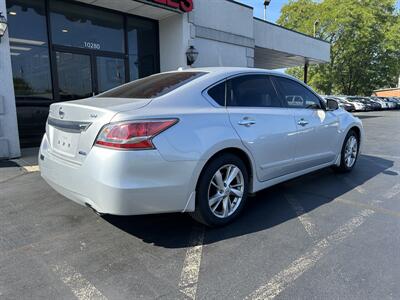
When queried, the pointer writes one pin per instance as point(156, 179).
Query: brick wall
point(388, 93)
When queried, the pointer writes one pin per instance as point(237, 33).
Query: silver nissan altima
point(196, 141)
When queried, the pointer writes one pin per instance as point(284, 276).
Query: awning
point(145, 8)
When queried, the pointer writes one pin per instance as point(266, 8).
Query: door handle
point(302, 122)
point(246, 122)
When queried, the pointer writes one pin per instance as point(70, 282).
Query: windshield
point(152, 86)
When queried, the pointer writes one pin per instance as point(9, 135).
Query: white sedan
point(197, 141)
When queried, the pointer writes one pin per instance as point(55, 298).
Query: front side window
point(152, 86)
point(252, 91)
point(295, 95)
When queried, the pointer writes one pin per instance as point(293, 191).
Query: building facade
point(393, 92)
point(61, 50)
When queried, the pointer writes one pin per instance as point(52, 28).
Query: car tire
point(220, 198)
point(349, 153)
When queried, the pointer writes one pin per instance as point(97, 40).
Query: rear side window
point(218, 93)
point(295, 95)
point(252, 91)
point(152, 86)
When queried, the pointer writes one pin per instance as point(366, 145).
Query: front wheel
point(349, 152)
point(221, 191)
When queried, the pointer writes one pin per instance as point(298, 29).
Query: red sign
point(183, 5)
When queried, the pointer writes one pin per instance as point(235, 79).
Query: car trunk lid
point(73, 126)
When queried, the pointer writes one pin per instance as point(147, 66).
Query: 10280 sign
point(91, 45)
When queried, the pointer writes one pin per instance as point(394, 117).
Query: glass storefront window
point(29, 50)
point(110, 72)
point(85, 27)
point(31, 71)
point(142, 47)
point(27, 21)
point(74, 76)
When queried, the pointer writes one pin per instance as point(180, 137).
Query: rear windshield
point(152, 86)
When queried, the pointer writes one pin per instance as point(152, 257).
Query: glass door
point(110, 72)
point(81, 73)
point(74, 74)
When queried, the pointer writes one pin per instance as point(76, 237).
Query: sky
point(274, 9)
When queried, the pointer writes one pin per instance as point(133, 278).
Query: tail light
point(135, 135)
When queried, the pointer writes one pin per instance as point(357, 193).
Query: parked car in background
point(395, 101)
point(367, 103)
point(342, 103)
point(197, 141)
point(383, 104)
point(359, 106)
point(391, 104)
point(377, 105)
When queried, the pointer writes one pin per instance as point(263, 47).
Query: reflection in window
point(296, 95)
point(152, 86)
point(27, 21)
point(252, 91)
point(110, 72)
point(29, 51)
point(142, 47)
point(31, 71)
point(86, 27)
point(71, 83)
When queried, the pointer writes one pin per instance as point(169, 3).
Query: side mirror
point(331, 104)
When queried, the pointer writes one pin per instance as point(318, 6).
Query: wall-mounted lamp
point(3, 25)
point(191, 55)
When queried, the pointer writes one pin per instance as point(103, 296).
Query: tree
point(365, 43)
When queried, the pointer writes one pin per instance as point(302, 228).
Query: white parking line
point(304, 218)
point(80, 286)
point(395, 190)
point(284, 278)
point(191, 265)
point(29, 169)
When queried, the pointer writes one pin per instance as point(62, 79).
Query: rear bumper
point(122, 182)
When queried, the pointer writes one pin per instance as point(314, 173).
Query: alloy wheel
point(225, 191)
point(350, 152)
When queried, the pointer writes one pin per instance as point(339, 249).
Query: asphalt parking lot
point(321, 236)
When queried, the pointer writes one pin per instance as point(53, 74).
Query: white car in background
point(380, 101)
point(196, 141)
point(357, 104)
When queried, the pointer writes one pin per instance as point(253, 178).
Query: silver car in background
point(196, 141)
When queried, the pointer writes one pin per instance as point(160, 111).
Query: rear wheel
point(349, 152)
point(221, 191)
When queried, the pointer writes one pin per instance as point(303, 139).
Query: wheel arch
point(242, 154)
point(357, 130)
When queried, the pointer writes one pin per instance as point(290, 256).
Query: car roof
point(228, 71)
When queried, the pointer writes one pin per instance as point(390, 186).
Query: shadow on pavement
point(8, 164)
point(267, 209)
point(368, 117)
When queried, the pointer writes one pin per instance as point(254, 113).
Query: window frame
point(281, 96)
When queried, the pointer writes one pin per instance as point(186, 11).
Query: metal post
point(305, 72)
point(316, 23)
point(265, 12)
